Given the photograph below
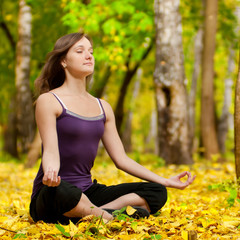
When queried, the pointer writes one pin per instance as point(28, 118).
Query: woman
point(71, 123)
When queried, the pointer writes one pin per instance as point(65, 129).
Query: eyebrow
point(81, 46)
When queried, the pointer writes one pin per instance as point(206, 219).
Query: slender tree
point(226, 120)
point(127, 133)
point(169, 76)
point(226, 117)
point(10, 130)
point(25, 115)
point(119, 110)
point(193, 91)
point(34, 151)
point(237, 123)
point(208, 122)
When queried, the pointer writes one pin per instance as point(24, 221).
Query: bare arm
point(115, 149)
point(47, 110)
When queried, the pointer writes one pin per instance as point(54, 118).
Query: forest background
point(170, 78)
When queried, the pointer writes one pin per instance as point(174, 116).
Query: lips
point(89, 64)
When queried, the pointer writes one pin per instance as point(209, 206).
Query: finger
point(189, 175)
point(45, 178)
point(54, 179)
point(58, 181)
point(193, 178)
point(49, 178)
point(190, 180)
point(182, 174)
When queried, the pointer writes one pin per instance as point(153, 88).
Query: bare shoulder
point(108, 109)
point(47, 102)
point(105, 104)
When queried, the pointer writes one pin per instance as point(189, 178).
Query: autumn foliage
point(210, 207)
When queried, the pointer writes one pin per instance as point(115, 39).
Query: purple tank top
point(78, 139)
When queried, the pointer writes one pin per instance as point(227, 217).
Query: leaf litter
point(210, 207)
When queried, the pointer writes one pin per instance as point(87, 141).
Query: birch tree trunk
point(169, 76)
point(208, 126)
point(192, 94)
point(152, 135)
point(127, 133)
point(226, 121)
point(25, 115)
point(226, 117)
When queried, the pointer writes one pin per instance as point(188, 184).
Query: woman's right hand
point(51, 178)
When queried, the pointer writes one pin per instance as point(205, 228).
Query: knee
point(164, 194)
point(161, 198)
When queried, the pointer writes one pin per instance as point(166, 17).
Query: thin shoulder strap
point(101, 106)
point(60, 101)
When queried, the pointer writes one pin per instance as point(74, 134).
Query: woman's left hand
point(175, 182)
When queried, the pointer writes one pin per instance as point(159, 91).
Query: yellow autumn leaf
point(207, 222)
point(130, 210)
point(116, 226)
point(16, 204)
point(184, 235)
point(73, 229)
point(231, 222)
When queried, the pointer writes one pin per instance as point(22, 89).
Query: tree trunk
point(34, 151)
point(25, 115)
point(9, 36)
point(208, 123)
point(119, 110)
point(226, 121)
point(98, 87)
point(10, 131)
point(169, 76)
point(237, 124)
point(226, 117)
point(127, 133)
point(152, 135)
point(193, 91)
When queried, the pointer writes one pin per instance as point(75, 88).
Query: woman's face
point(79, 60)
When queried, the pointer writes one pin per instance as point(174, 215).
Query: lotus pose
point(71, 124)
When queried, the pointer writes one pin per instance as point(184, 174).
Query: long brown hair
point(53, 74)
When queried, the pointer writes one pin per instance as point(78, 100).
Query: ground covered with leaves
point(210, 207)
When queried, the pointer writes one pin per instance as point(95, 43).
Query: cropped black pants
point(50, 203)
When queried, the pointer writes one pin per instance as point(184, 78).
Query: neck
point(76, 86)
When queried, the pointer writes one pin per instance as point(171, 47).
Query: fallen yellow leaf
point(130, 210)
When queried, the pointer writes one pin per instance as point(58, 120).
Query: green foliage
point(62, 230)
point(8, 15)
point(227, 22)
point(230, 187)
point(156, 236)
point(117, 27)
point(120, 215)
point(153, 236)
point(20, 236)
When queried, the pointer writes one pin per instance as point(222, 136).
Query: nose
point(88, 55)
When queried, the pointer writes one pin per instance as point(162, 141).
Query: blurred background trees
point(168, 74)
